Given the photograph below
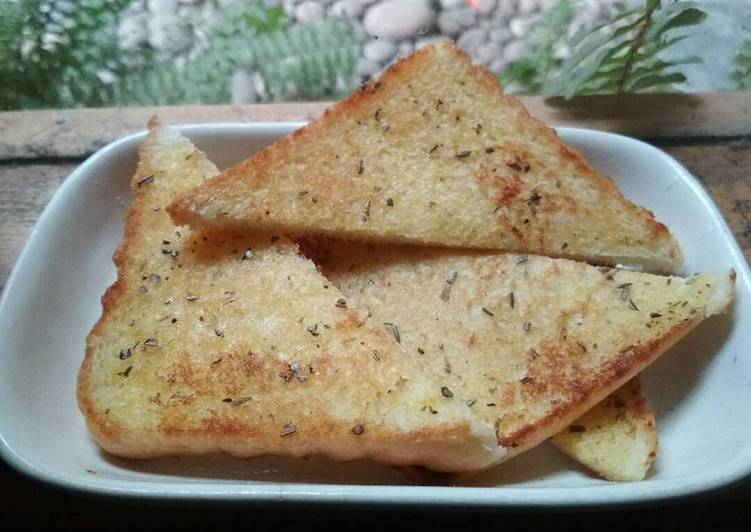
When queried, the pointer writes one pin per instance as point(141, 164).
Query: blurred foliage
point(741, 75)
point(304, 62)
point(300, 62)
point(56, 53)
point(202, 77)
point(622, 55)
point(531, 73)
point(61, 54)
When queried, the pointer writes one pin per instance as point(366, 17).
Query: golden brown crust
point(616, 374)
point(537, 342)
point(554, 204)
point(239, 345)
point(175, 390)
point(617, 439)
point(113, 295)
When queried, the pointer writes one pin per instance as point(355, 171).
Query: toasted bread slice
point(434, 153)
point(529, 343)
point(617, 439)
point(216, 343)
point(212, 343)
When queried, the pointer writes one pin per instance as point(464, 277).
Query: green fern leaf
point(623, 55)
point(741, 74)
point(531, 72)
point(299, 62)
point(57, 54)
point(652, 81)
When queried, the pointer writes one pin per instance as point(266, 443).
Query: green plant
point(319, 60)
point(622, 55)
point(56, 53)
point(741, 74)
point(306, 62)
point(532, 72)
point(204, 76)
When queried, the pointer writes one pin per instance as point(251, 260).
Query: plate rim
point(702, 483)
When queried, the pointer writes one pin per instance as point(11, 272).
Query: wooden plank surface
point(78, 133)
point(26, 187)
point(709, 133)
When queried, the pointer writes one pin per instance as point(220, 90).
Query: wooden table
point(709, 133)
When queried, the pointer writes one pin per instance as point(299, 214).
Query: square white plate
point(700, 390)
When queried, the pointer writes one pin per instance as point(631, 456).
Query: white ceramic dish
point(699, 390)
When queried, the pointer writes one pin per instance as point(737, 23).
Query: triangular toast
point(434, 153)
point(617, 439)
point(240, 345)
point(530, 343)
point(213, 343)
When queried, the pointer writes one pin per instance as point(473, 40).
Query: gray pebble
point(399, 19)
point(527, 7)
point(243, 87)
point(471, 39)
point(500, 35)
point(513, 51)
point(452, 23)
point(309, 11)
point(488, 52)
point(486, 6)
point(519, 26)
point(347, 9)
point(497, 65)
point(366, 68)
point(405, 48)
point(379, 50)
point(448, 5)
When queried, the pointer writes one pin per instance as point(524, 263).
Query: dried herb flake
point(393, 329)
point(145, 180)
point(288, 429)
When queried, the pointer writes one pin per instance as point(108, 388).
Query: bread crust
point(537, 341)
point(159, 419)
point(617, 439)
point(587, 218)
point(257, 378)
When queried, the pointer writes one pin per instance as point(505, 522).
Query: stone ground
point(491, 31)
